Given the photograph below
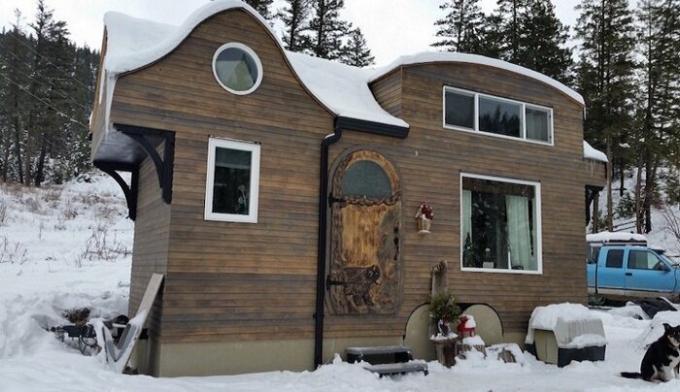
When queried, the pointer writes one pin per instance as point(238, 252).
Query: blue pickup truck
point(626, 271)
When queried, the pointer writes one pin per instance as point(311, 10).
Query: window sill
point(230, 218)
point(501, 271)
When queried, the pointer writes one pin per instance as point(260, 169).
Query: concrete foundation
point(214, 358)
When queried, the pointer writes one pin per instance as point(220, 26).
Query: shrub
point(443, 307)
point(32, 204)
point(626, 206)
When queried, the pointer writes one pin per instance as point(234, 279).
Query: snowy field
point(69, 246)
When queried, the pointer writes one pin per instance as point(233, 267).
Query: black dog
point(662, 357)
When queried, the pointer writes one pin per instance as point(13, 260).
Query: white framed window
point(232, 183)
point(500, 225)
point(485, 114)
point(237, 68)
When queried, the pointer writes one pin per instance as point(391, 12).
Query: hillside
point(61, 247)
point(662, 234)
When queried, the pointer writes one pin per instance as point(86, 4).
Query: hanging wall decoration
point(424, 218)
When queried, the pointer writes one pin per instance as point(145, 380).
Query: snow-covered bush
point(12, 252)
point(625, 208)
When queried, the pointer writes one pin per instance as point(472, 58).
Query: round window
point(237, 68)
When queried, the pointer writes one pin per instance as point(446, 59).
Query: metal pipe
point(321, 243)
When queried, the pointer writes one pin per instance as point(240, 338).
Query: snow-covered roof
point(456, 57)
point(342, 88)
point(608, 236)
point(589, 152)
point(134, 43)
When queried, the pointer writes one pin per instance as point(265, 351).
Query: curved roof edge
point(164, 37)
point(457, 57)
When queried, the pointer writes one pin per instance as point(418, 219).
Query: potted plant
point(443, 310)
point(424, 218)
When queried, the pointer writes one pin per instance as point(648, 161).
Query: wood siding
point(387, 92)
point(150, 248)
point(231, 281)
point(239, 281)
point(431, 160)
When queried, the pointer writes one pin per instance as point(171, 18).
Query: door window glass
point(366, 179)
point(640, 259)
point(614, 258)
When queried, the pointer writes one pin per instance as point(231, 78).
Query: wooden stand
point(446, 350)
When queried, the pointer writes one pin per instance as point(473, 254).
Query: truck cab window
point(640, 259)
point(614, 258)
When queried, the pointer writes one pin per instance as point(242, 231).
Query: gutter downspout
point(340, 123)
point(331, 138)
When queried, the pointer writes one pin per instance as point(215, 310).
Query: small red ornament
point(466, 326)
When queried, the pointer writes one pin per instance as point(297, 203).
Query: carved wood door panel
point(365, 273)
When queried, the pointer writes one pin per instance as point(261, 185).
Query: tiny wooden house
point(277, 192)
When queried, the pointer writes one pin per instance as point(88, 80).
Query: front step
point(379, 354)
point(391, 369)
point(386, 360)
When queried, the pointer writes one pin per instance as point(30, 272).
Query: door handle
point(629, 274)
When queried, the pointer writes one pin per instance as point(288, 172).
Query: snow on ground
point(68, 246)
point(61, 247)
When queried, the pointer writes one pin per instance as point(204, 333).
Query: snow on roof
point(456, 57)
point(607, 236)
point(134, 43)
point(342, 88)
point(591, 153)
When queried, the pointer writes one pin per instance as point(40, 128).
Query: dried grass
point(3, 213)
point(100, 246)
point(12, 253)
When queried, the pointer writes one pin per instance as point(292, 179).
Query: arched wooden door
point(365, 273)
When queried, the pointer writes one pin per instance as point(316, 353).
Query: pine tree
point(494, 36)
point(605, 74)
point(47, 117)
point(294, 18)
point(46, 88)
point(659, 79)
point(508, 14)
point(5, 136)
point(15, 61)
point(542, 41)
point(462, 29)
point(327, 29)
point(261, 6)
point(356, 51)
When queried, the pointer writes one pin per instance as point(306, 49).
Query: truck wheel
point(596, 300)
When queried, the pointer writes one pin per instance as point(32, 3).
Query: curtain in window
point(519, 231)
point(467, 215)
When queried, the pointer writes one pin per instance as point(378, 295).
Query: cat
point(662, 357)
